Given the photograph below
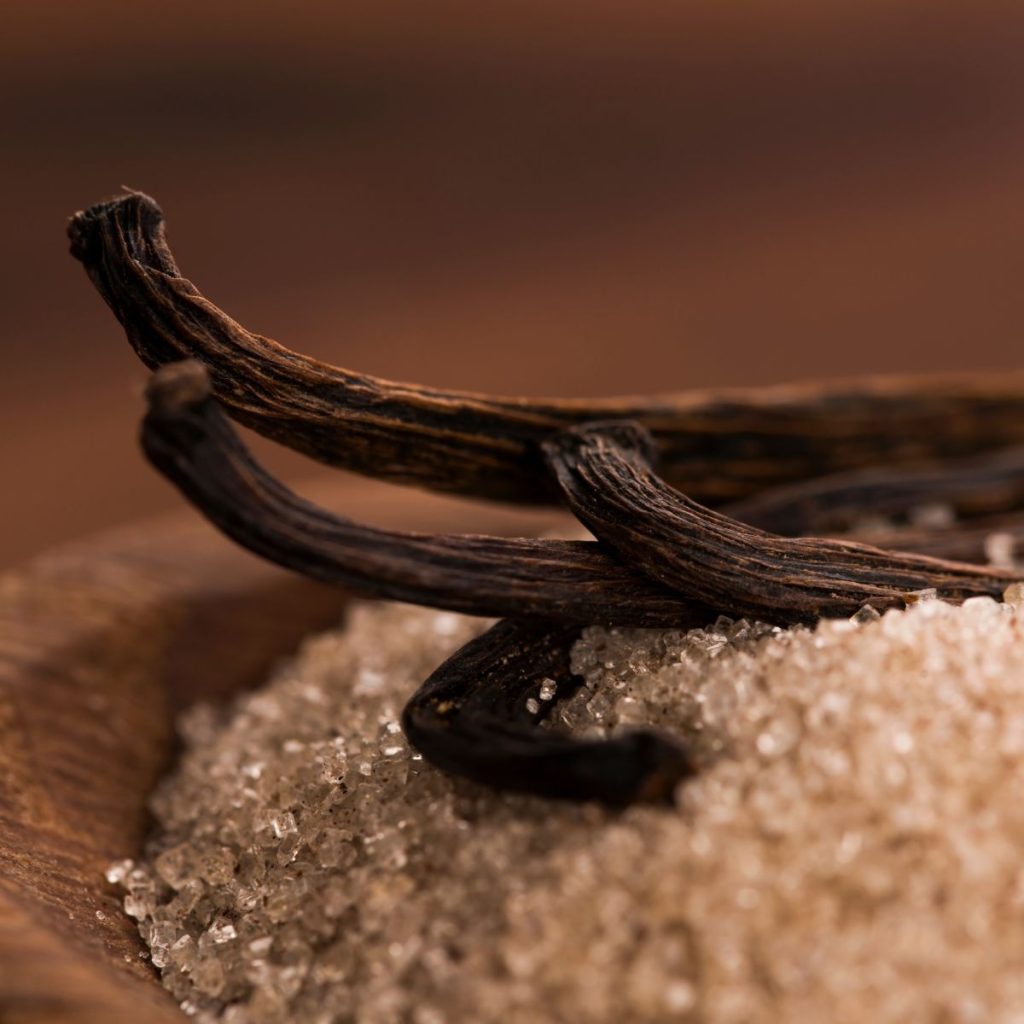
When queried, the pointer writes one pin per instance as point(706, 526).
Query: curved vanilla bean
point(715, 446)
point(605, 472)
point(189, 440)
point(984, 493)
point(979, 486)
point(471, 718)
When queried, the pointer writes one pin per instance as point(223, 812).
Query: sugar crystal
point(1000, 550)
point(118, 872)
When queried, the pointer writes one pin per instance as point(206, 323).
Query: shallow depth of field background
point(532, 197)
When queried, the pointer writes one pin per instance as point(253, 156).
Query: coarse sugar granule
point(851, 850)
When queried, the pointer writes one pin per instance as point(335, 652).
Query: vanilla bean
point(605, 472)
point(471, 718)
point(984, 494)
point(715, 446)
point(189, 440)
point(663, 558)
point(980, 486)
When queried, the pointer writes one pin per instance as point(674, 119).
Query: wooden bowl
point(101, 645)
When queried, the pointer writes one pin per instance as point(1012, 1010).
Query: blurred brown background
point(538, 197)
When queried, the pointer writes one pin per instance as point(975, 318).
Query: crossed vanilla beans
point(672, 550)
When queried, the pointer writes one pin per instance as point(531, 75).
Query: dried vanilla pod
point(606, 475)
point(188, 439)
point(983, 485)
point(715, 446)
point(796, 459)
point(471, 718)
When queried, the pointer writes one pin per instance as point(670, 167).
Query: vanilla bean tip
point(130, 206)
point(658, 765)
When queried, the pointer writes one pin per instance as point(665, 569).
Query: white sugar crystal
point(118, 872)
point(865, 615)
point(176, 865)
point(1000, 550)
point(208, 977)
point(780, 734)
point(283, 824)
point(222, 931)
point(599, 706)
point(136, 907)
point(447, 624)
point(183, 953)
point(850, 848)
point(980, 607)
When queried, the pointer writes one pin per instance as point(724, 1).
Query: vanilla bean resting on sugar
point(673, 550)
point(472, 717)
point(606, 474)
point(678, 565)
point(475, 717)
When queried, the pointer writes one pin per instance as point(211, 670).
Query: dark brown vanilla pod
point(981, 486)
point(605, 472)
point(471, 718)
point(714, 446)
point(187, 438)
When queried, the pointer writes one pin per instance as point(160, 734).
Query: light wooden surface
point(100, 645)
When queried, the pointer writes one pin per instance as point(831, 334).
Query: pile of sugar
point(851, 851)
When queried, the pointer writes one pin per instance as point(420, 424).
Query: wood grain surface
point(100, 645)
